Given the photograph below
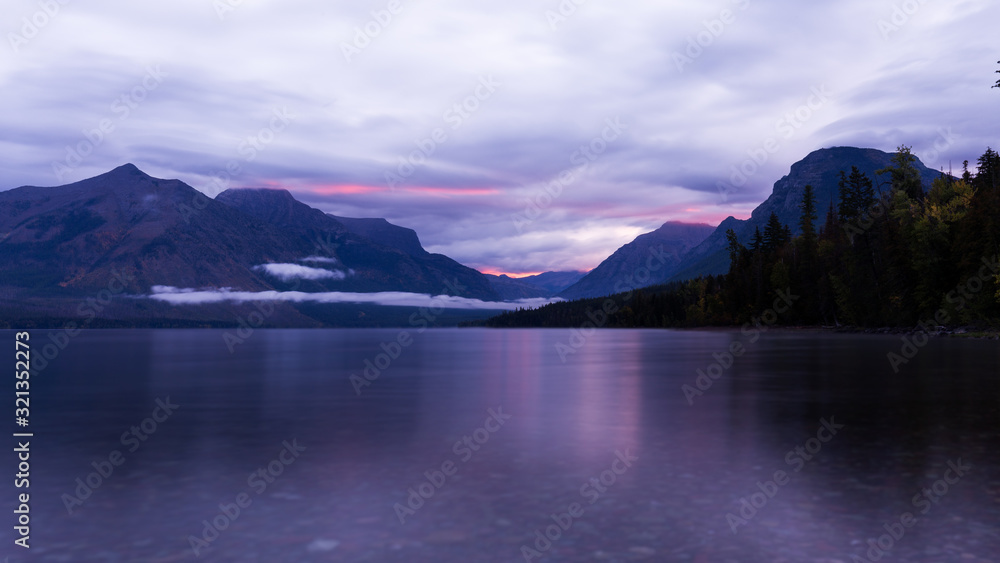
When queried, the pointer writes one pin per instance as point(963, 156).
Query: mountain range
point(660, 251)
point(547, 284)
point(156, 232)
point(699, 250)
point(128, 230)
point(124, 234)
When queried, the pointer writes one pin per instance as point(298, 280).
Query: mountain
point(126, 225)
point(512, 289)
point(553, 282)
point(820, 168)
point(78, 237)
point(546, 284)
point(373, 264)
point(385, 233)
point(665, 246)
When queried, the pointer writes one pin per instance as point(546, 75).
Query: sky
point(515, 136)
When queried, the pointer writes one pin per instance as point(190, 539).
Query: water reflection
point(619, 392)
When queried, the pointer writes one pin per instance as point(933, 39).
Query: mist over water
point(462, 444)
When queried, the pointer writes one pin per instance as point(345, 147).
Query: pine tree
point(805, 271)
point(735, 248)
point(774, 233)
point(846, 208)
point(856, 195)
point(807, 223)
point(989, 170)
point(831, 224)
point(903, 174)
point(904, 269)
point(757, 241)
point(864, 193)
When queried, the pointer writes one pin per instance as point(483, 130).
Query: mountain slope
point(821, 169)
point(546, 284)
point(618, 272)
point(135, 232)
point(126, 224)
point(385, 233)
point(371, 266)
point(554, 282)
point(512, 289)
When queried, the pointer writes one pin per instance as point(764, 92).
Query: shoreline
point(954, 332)
point(969, 332)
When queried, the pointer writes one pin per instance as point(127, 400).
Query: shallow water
point(618, 396)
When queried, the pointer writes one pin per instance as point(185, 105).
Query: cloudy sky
point(516, 136)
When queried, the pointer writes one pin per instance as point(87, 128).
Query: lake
point(474, 445)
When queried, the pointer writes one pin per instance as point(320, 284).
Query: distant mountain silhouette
point(546, 284)
point(73, 239)
point(512, 289)
point(379, 255)
point(124, 227)
point(618, 272)
point(554, 281)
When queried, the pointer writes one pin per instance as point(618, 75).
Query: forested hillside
point(900, 256)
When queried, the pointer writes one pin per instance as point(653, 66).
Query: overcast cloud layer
point(297, 94)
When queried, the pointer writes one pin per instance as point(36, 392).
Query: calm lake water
point(342, 473)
